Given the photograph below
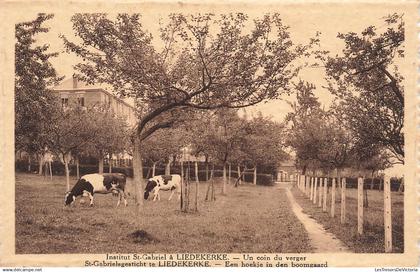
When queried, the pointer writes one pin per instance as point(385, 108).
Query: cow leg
point(119, 197)
point(156, 193)
point(125, 198)
point(172, 193)
point(91, 199)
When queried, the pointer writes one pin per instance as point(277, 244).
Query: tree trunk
point(239, 175)
point(182, 188)
point(188, 185)
point(213, 197)
point(110, 163)
point(208, 191)
point(154, 169)
point(338, 185)
point(41, 164)
point(224, 179)
point(185, 188)
point(371, 182)
point(29, 162)
point(230, 173)
point(138, 176)
point(148, 173)
point(207, 169)
point(304, 170)
point(255, 175)
point(401, 187)
point(50, 167)
point(77, 168)
point(196, 186)
point(365, 199)
point(210, 187)
point(101, 164)
point(66, 168)
point(168, 168)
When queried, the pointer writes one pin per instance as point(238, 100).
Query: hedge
point(58, 170)
point(352, 183)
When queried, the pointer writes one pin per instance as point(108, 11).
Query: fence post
point(360, 205)
point(300, 182)
point(303, 183)
point(324, 203)
point(315, 186)
point(387, 214)
point(333, 197)
point(321, 186)
point(311, 189)
point(308, 185)
point(343, 201)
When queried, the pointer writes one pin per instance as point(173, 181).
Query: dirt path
point(321, 240)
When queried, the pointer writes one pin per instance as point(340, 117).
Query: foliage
point(306, 127)
point(34, 75)
point(111, 133)
point(263, 143)
point(70, 129)
point(207, 62)
point(165, 143)
point(225, 136)
point(367, 82)
point(322, 140)
point(198, 67)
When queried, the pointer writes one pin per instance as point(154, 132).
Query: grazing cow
point(165, 183)
point(98, 183)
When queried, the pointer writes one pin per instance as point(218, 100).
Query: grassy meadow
point(373, 238)
point(248, 219)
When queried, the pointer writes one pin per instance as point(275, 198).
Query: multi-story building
point(74, 90)
point(89, 95)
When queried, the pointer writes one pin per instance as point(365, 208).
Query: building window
point(80, 96)
point(64, 102)
point(64, 99)
point(81, 101)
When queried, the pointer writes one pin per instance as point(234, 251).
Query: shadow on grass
point(142, 237)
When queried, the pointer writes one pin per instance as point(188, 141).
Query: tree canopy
point(34, 75)
point(206, 62)
point(366, 80)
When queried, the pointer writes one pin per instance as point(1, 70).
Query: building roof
point(288, 163)
point(68, 85)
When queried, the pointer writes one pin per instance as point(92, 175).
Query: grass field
point(373, 238)
point(250, 219)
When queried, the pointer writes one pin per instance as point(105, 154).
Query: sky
point(304, 22)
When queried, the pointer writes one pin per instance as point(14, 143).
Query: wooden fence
point(316, 189)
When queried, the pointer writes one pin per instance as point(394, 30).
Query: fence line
point(333, 198)
point(343, 201)
point(387, 214)
point(360, 205)
point(316, 189)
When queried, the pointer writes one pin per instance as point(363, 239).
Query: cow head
point(151, 184)
point(69, 198)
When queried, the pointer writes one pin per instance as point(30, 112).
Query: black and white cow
point(98, 183)
point(165, 183)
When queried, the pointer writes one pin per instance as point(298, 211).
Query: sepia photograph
point(212, 133)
